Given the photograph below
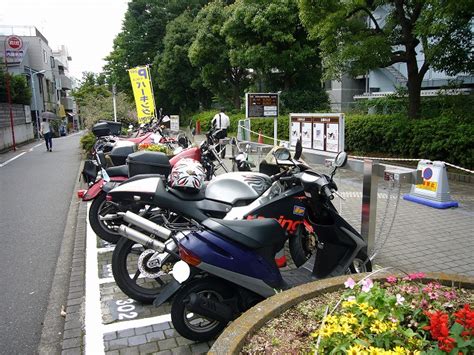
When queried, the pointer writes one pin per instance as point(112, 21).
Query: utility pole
point(9, 97)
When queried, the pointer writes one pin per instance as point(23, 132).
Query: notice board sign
point(319, 131)
point(261, 105)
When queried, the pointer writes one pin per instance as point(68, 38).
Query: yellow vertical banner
point(143, 93)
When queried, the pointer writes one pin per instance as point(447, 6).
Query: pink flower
point(450, 295)
point(351, 298)
point(350, 283)
point(423, 303)
point(367, 284)
point(391, 279)
point(433, 295)
point(415, 275)
point(400, 299)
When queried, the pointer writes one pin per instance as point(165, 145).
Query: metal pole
point(32, 75)
point(369, 202)
point(9, 97)
point(115, 106)
point(275, 130)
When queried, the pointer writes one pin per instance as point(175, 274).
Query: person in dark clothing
point(47, 134)
point(221, 121)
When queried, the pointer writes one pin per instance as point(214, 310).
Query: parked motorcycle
point(226, 267)
point(140, 272)
point(103, 216)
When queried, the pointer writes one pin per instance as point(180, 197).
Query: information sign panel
point(320, 131)
point(261, 105)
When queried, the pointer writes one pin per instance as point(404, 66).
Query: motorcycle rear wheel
point(100, 207)
point(194, 326)
point(127, 273)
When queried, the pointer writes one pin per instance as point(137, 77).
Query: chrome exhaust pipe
point(141, 238)
point(146, 225)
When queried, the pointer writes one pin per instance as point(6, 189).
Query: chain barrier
point(362, 157)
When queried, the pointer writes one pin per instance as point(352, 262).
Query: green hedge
point(265, 124)
point(441, 138)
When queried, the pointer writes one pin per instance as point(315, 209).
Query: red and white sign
point(14, 42)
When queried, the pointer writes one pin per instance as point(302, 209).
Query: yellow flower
point(345, 328)
point(371, 312)
point(363, 305)
point(355, 350)
point(392, 325)
point(348, 304)
point(351, 318)
point(398, 350)
point(331, 319)
point(378, 327)
point(375, 351)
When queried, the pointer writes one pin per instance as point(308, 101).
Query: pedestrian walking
point(221, 121)
point(47, 134)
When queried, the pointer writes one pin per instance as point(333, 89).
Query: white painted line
point(113, 327)
point(12, 159)
point(105, 250)
point(107, 280)
point(94, 342)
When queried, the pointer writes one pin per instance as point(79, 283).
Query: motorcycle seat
point(121, 170)
point(254, 234)
point(190, 195)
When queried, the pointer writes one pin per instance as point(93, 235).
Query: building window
point(45, 57)
point(53, 64)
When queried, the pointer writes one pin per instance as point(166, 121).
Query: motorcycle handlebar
point(327, 191)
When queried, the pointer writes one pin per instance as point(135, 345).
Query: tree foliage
point(95, 101)
point(210, 53)
point(178, 81)
point(19, 91)
point(356, 36)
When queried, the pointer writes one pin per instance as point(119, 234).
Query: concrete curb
point(235, 335)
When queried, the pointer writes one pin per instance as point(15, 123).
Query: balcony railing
point(68, 103)
point(66, 83)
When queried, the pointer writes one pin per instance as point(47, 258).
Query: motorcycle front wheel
point(132, 274)
point(194, 326)
point(361, 263)
point(104, 228)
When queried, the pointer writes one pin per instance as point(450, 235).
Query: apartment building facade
point(46, 71)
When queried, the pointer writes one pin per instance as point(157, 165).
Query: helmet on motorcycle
point(187, 174)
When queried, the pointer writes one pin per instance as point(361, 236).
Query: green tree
point(359, 35)
point(142, 35)
point(91, 85)
point(179, 83)
point(94, 99)
point(210, 53)
point(268, 37)
point(19, 90)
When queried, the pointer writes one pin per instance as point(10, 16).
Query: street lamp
point(34, 99)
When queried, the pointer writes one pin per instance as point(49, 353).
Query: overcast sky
point(86, 27)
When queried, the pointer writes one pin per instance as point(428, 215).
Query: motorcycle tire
point(100, 207)
point(142, 290)
point(300, 246)
point(204, 329)
point(361, 263)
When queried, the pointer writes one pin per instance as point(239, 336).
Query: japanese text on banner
point(142, 91)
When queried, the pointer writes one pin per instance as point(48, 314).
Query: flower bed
point(394, 315)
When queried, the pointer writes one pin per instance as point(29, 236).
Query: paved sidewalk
point(422, 239)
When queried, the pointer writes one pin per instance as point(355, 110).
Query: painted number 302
point(125, 309)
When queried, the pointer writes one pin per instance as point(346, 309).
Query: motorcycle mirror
point(282, 154)
point(340, 159)
point(298, 149)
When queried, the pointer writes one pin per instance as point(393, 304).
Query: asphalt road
point(35, 194)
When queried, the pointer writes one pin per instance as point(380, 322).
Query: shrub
point(88, 141)
point(440, 138)
point(265, 124)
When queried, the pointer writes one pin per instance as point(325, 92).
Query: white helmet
point(187, 174)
